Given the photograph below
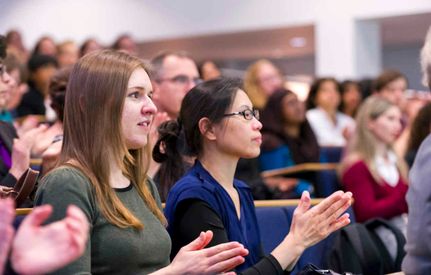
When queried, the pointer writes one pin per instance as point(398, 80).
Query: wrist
point(16, 172)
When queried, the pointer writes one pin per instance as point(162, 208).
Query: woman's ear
point(206, 128)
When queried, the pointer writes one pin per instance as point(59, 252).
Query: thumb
point(37, 216)
point(200, 242)
point(304, 203)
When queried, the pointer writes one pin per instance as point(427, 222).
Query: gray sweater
point(418, 246)
point(110, 249)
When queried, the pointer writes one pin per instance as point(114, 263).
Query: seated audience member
point(420, 129)
point(16, 46)
point(392, 85)
point(67, 54)
point(173, 75)
point(351, 97)
point(261, 79)
point(102, 170)
point(53, 136)
point(220, 126)
point(332, 128)
point(45, 46)
point(125, 43)
point(41, 69)
point(371, 170)
point(37, 249)
point(208, 70)
point(287, 139)
point(18, 73)
point(418, 247)
point(14, 151)
point(89, 45)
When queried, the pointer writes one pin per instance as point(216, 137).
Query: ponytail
point(169, 150)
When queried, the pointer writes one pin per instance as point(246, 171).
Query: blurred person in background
point(351, 97)
point(261, 79)
point(67, 54)
point(332, 128)
point(45, 46)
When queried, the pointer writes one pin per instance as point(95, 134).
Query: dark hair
point(314, 89)
point(38, 61)
point(304, 148)
point(3, 46)
point(57, 90)
point(36, 49)
point(12, 63)
point(385, 78)
point(343, 88)
point(421, 128)
point(210, 99)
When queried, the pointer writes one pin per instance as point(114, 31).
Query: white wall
point(156, 19)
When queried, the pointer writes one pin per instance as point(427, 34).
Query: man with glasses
point(173, 75)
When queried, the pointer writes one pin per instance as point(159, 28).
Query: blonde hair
point(426, 60)
point(363, 143)
point(252, 86)
point(92, 132)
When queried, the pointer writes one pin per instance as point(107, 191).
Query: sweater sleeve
point(358, 180)
point(195, 216)
point(61, 188)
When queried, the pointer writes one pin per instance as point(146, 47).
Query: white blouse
point(328, 133)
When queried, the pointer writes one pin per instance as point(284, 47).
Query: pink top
point(374, 200)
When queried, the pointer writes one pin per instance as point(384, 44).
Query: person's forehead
point(140, 78)
point(241, 99)
point(175, 65)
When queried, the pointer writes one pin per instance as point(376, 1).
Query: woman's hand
point(41, 249)
point(193, 259)
point(7, 213)
point(310, 226)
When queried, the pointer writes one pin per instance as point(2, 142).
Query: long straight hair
point(92, 132)
point(364, 142)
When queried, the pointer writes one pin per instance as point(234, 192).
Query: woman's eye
point(134, 95)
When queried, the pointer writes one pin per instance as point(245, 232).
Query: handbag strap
point(25, 186)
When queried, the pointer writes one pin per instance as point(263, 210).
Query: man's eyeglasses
point(247, 114)
point(182, 80)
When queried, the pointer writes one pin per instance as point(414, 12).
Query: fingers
point(339, 223)
point(222, 247)
point(328, 202)
point(37, 216)
point(7, 211)
point(304, 203)
point(200, 242)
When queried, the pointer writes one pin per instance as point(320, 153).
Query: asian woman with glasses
point(220, 126)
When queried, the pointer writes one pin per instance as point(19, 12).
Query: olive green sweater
point(110, 249)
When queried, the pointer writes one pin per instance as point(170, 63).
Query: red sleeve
point(358, 180)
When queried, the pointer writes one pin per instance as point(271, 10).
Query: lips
point(258, 139)
point(145, 123)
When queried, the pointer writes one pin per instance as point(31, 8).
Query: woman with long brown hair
point(102, 169)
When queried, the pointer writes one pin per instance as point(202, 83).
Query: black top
point(195, 216)
point(32, 103)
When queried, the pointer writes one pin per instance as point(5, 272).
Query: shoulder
point(353, 163)
point(62, 183)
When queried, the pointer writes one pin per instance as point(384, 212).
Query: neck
point(292, 130)
point(116, 176)
point(221, 166)
point(381, 149)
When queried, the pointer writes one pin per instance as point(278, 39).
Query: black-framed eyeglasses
point(247, 114)
point(182, 79)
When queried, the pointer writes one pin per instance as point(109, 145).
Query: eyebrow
point(246, 106)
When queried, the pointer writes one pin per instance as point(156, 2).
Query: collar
point(205, 176)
